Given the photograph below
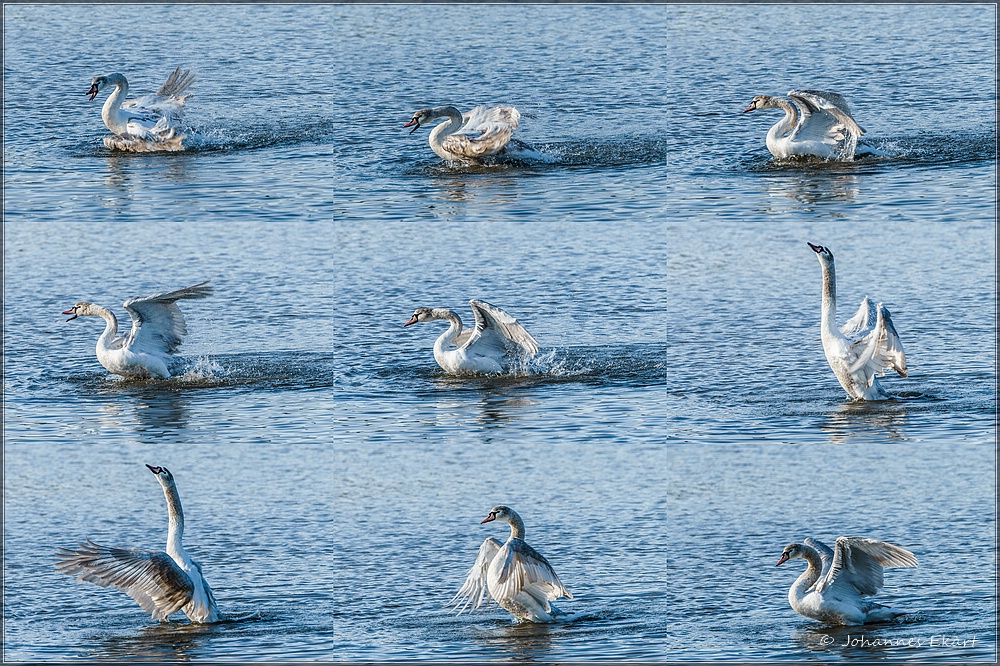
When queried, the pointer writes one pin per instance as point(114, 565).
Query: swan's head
point(761, 102)
point(791, 551)
point(426, 314)
point(82, 309)
point(822, 253)
point(501, 513)
point(163, 474)
point(421, 117)
point(99, 83)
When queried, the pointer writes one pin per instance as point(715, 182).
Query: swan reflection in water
point(865, 420)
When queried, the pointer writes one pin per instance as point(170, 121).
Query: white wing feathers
point(877, 347)
point(526, 571)
point(857, 565)
point(157, 323)
point(152, 578)
point(823, 120)
point(473, 591)
point(485, 132)
point(496, 328)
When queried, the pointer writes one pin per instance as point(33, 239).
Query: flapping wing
point(176, 84)
point(150, 577)
point(858, 562)
point(825, 553)
point(525, 570)
point(473, 591)
point(823, 124)
point(879, 349)
point(833, 104)
point(862, 322)
point(486, 131)
point(157, 323)
point(499, 330)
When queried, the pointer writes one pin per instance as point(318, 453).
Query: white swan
point(835, 582)
point(514, 574)
point(496, 344)
point(158, 328)
point(146, 124)
point(468, 138)
point(818, 124)
point(162, 582)
point(866, 346)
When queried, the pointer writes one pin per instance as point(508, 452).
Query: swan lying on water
point(835, 582)
point(816, 123)
point(496, 343)
point(162, 582)
point(158, 328)
point(866, 346)
point(469, 137)
point(514, 574)
point(146, 124)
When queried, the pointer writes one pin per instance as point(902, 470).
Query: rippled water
point(680, 425)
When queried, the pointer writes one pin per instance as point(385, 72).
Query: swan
point(467, 138)
point(158, 328)
point(866, 346)
point(162, 582)
point(832, 587)
point(816, 123)
point(514, 574)
point(146, 124)
point(496, 344)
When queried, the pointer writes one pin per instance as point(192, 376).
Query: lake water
point(681, 424)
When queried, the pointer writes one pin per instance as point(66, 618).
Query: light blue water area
point(680, 424)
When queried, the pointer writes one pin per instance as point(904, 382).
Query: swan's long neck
point(786, 124)
point(516, 526)
point(114, 119)
point(447, 338)
point(808, 577)
point(828, 324)
point(438, 134)
point(110, 328)
point(175, 528)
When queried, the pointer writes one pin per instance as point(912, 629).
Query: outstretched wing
point(150, 577)
point(862, 322)
point(157, 323)
point(486, 131)
point(857, 565)
point(526, 571)
point(824, 123)
point(473, 590)
point(878, 349)
point(498, 331)
point(830, 103)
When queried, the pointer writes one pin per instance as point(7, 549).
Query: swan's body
point(835, 582)
point(514, 574)
point(158, 329)
point(816, 123)
point(162, 582)
point(146, 124)
point(469, 137)
point(864, 347)
point(496, 344)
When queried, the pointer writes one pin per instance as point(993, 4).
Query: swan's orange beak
point(487, 519)
point(784, 558)
point(413, 320)
point(413, 121)
point(752, 107)
point(93, 91)
point(72, 312)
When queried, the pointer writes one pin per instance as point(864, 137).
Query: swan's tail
point(176, 84)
